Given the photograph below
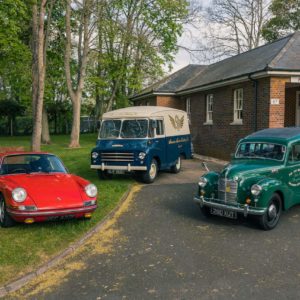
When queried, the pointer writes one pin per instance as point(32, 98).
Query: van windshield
point(137, 128)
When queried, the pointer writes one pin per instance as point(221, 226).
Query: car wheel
point(177, 167)
point(104, 174)
point(5, 218)
point(271, 217)
point(150, 175)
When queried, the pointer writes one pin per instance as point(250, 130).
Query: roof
point(288, 133)
point(281, 55)
point(137, 111)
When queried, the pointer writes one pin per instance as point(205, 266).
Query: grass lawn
point(24, 247)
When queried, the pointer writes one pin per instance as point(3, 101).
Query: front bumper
point(239, 208)
point(127, 168)
point(40, 215)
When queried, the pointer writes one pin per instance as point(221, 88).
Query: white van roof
point(139, 112)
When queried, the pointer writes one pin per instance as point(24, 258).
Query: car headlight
point(202, 182)
point(256, 189)
point(19, 194)
point(91, 190)
point(142, 155)
point(95, 155)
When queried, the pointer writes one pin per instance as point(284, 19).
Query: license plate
point(60, 218)
point(115, 171)
point(223, 213)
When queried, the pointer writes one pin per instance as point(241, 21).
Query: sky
point(184, 58)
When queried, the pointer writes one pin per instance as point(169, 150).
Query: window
point(294, 156)
point(160, 127)
point(238, 98)
point(209, 108)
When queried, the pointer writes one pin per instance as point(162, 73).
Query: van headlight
point(202, 182)
point(91, 190)
point(95, 155)
point(256, 189)
point(142, 155)
point(19, 194)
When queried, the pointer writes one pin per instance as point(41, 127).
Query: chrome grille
point(117, 156)
point(227, 190)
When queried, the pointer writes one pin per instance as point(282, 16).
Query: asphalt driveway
point(167, 250)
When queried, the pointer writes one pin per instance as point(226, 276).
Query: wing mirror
point(153, 124)
point(98, 124)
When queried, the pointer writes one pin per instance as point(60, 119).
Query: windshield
point(31, 163)
point(261, 150)
point(124, 129)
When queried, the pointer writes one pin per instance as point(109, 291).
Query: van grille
point(223, 187)
point(116, 156)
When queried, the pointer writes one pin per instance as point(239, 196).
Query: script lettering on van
point(178, 140)
point(177, 122)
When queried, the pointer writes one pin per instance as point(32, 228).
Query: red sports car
point(36, 187)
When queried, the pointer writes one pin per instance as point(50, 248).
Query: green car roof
point(275, 135)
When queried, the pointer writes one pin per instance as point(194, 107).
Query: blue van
point(143, 140)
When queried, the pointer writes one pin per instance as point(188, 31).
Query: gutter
point(255, 83)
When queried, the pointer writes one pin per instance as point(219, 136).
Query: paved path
point(165, 249)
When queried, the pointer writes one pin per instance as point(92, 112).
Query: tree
point(75, 86)
point(285, 19)
point(233, 27)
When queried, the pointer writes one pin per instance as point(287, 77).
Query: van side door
point(160, 143)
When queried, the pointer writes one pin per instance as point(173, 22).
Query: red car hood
point(50, 191)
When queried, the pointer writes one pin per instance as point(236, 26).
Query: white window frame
point(238, 106)
point(209, 109)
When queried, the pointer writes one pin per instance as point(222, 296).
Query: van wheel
point(104, 174)
point(150, 175)
point(177, 167)
point(271, 217)
point(5, 218)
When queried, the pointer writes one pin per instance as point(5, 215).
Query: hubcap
point(1, 211)
point(272, 211)
point(178, 163)
point(152, 171)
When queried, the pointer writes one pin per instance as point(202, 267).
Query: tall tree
point(285, 19)
point(83, 10)
point(233, 27)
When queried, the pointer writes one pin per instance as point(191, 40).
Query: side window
point(294, 155)
point(160, 127)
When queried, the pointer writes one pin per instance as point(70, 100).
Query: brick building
point(234, 97)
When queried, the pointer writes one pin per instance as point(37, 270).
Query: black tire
point(205, 211)
point(271, 217)
point(150, 175)
point(177, 167)
point(104, 174)
point(5, 218)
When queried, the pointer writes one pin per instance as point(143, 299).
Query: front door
point(298, 108)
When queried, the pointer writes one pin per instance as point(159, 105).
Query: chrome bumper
point(127, 168)
point(243, 209)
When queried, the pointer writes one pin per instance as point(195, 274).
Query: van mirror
point(98, 124)
point(153, 124)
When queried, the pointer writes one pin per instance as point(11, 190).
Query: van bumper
point(245, 209)
point(127, 168)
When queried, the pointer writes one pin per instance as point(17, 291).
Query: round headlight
point(202, 182)
point(256, 189)
point(95, 155)
point(91, 190)
point(19, 194)
point(142, 155)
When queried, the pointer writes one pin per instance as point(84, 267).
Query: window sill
point(237, 123)
point(208, 123)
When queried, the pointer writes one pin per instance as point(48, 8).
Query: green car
point(262, 180)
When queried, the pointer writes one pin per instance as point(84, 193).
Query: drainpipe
point(255, 83)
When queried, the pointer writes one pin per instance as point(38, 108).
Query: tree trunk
point(75, 133)
point(45, 128)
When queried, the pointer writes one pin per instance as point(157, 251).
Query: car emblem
point(117, 145)
point(58, 199)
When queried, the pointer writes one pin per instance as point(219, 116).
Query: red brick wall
point(151, 100)
point(277, 112)
point(169, 101)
